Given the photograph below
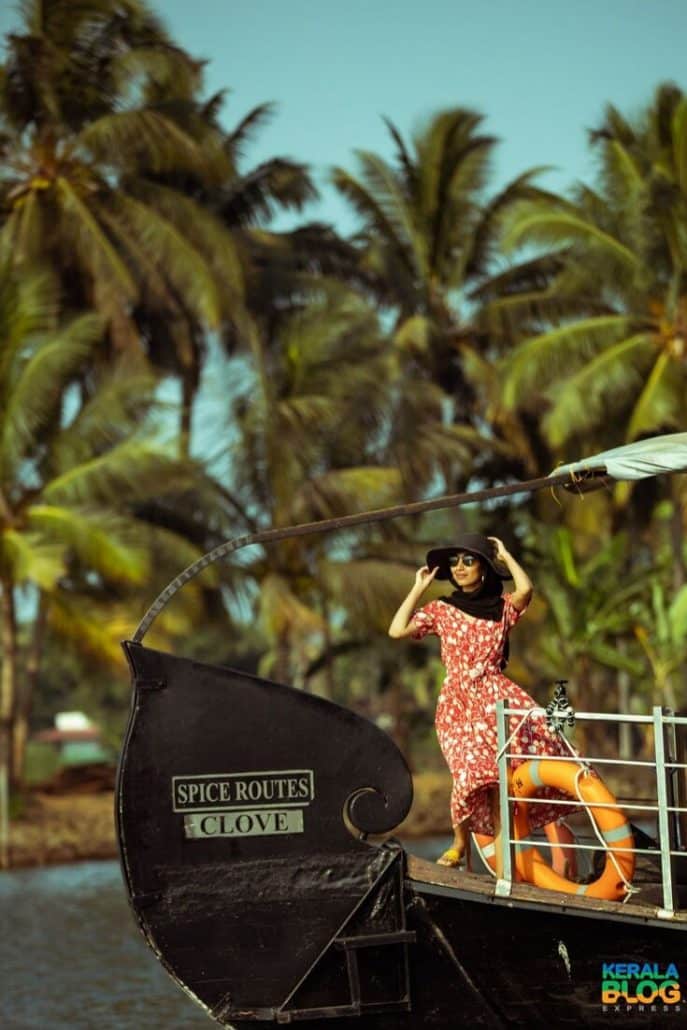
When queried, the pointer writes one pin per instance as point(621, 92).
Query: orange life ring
point(563, 859)
point(528, 778)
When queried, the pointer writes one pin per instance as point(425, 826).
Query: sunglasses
point(467, 560)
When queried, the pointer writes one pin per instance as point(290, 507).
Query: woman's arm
point(522, 593)
point(402, 625)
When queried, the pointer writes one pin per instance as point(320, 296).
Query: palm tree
point(116, 173)
point(73, 470)
point(330, 422)
point(308, 416)
point(257, 272)
point(428, 237)
point(603, 336)
point(80, 136)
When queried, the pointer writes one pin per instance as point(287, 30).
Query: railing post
point(503, 886)
point(680, 754)
point(664, 834)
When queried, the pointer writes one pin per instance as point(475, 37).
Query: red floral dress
point(471, 650)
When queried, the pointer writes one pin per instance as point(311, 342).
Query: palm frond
point(531, 275)
point(29, 305)
point(93, 243)
point(667, 98)
point(372, 211)
point(340, 491)
point(272, 186)
point(539, 361)
point(37, 388)
point(614, 126)
point(282, 613)
point(148, 139)
point(365, 585)
point(621, 174)
point(677, 615)
point(183, 265)
point(456, 214)
point(679, 139)
point(170, 550)
point(582, 400)
point(404, 159)
point(114, 411)
point(534, 223)
point(169, 67)
point(414, 334)
point(102, 541)
point(301, 416)
point(521, 315)
point(489, 224)
point(239, 136)
point(29, 557)
point(132, 470)
point(204, 232)
point(442, 146)
point(381, 182)
point(24, 230)
point(660, 404)
point(96, 631)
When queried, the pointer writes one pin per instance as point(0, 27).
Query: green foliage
point(359, 373)
point(662, 632)
point(75, 476)
point(429, 234)
point(621, 280)
point(590, 603)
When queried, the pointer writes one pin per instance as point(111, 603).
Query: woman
point(473, 625)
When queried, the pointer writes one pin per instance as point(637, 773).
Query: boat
point(255, 826)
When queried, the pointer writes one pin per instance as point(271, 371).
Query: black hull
point(241, 807)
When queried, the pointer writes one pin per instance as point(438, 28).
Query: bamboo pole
point(568, 479)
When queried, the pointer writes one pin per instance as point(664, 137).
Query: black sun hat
point(475, 543)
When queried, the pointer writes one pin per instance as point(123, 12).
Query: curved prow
point(233, 799)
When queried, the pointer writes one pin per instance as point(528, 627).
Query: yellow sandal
point(452, 858)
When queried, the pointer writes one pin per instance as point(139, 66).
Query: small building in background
point(75, 739)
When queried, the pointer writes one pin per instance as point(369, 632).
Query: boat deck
point(644, 906)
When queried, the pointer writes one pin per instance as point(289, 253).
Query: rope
point(529, 715)
point(526, 716)
point(629, 889)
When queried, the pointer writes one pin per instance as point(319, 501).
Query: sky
point(540, 71)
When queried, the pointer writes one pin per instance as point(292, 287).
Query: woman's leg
point(455, 853)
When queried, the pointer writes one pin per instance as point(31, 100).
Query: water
point(72, 956)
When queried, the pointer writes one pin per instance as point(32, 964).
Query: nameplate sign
point(260, 823)
point(244, 804)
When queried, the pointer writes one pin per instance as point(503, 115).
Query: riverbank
point(75, 826)
point(62, 828)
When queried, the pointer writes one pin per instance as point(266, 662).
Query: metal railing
point(671, 816)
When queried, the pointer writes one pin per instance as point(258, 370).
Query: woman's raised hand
point(423, 576)
point(500, 552)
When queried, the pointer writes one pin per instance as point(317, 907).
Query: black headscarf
point(484, 603)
